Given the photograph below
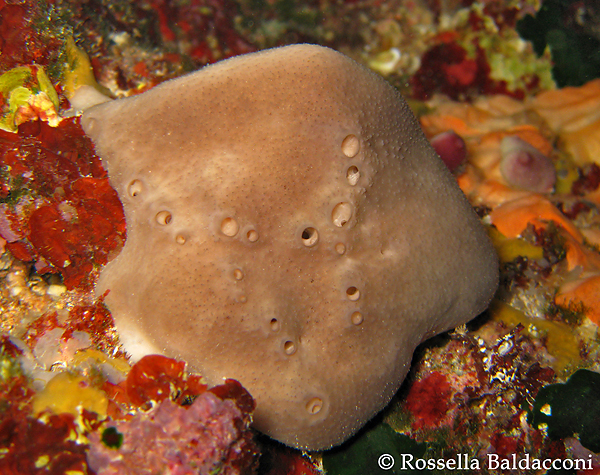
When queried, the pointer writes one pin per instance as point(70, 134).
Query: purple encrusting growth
point(524, 166)
point(174, 439)
point(451, 148)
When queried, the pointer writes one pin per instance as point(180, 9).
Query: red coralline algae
point(280, 460)
point(54, 156)
point(428, 400)
point(447, 69)
point(181, 23)
point(96, 320)
point(180, 36)
point(60, 208)
point(8, 348)
point(185, 429)
point(588, 181)
point(507, 365)
point(21, 40)
point(155, 378)
point(29, 446)
point(504, 446)
point(21, 250)
point(38, 327)
point(78, 233)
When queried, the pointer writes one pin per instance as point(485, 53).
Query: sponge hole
point(350, 146)
point(310, 236)
point(229, 227)
point(252, 235)
point(135, 188)
point(238, 274)
point(163, 218)
point(341, 214)
point(352, 175)
point(289, 347)
point(314, 405)
point(356, 318)
point(274, 324)
point(353, 294)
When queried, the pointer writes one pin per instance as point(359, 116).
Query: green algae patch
point(572, 408)
point(112, 438)
point(377, 450)
point(574, 52)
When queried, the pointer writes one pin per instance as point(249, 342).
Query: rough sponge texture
point(288, 226)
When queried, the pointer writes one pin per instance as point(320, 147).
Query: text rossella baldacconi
point(494, 462)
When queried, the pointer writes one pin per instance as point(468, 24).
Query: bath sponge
point(288, 226)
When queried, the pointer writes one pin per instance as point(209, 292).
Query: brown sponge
point(288, 226)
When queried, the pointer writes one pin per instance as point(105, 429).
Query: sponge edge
point(289, 226)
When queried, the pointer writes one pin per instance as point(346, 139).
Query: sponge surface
point(289, 226)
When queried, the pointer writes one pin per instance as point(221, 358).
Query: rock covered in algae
point(289, 226)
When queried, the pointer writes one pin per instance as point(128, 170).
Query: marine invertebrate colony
point(289, 226)
point(525, 167)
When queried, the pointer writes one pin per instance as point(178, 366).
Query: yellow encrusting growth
point(561, 343)
point(100, 358)
point(70, 394)
point(567, 174)
point(78, 71)
point(509, 249)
